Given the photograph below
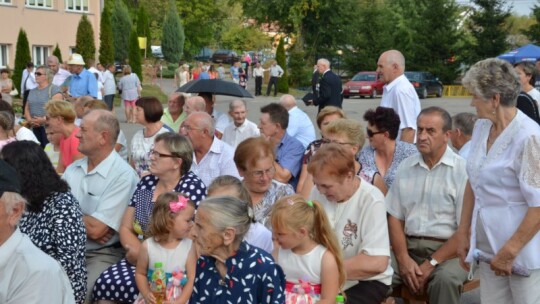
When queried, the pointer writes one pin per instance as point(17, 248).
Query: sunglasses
point(371, 133)
point(39, 74)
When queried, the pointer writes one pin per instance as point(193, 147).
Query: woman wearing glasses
point(254, 159)
point(37, 98)
point(170, 160)
point(384, 153)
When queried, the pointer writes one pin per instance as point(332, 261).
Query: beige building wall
point(46, 22)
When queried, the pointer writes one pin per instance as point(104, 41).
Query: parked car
point(156, 51)
point(225, 56)
point(425, 84)
point(364, 84)
point(205, 54)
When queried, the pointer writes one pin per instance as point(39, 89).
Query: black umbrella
point(214, 86)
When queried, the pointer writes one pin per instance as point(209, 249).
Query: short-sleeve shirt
point(83, 84)
point(68, 148)
point(173, 124)
point(301, 127)
point(289, 154)
point(37, 98)
point(216, 162)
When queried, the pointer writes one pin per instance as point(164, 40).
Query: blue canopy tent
point(529, 52)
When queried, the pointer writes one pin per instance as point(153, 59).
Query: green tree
point(172, 43)
point(22, 57)
point(301, 69)
point(84, 42)
point(488, 27)
point(135, 54)
point(106, 47)
point(143, 27)
point(533, 32)
point(283, 82)
point(58, 53)
point(121, 25)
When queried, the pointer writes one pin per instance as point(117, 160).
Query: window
point(5, 1)
point(39, 3)
point(40, 53)
point(77, 5)
point(4, 58)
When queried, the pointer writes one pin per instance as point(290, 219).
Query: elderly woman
point(229, 269)
point(254, 159)
point(501, 208)
point(325, 116)
point(61, 118)
point(357, 214)
point(384, 154)
point(34, 112)
point(53, 219)
point(171, 158)
point(148, 112)
point(130, 88)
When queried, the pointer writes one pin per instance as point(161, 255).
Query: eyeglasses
point(189, 128)
point(156, 154)
point(329, 141)
point(371, 133)
point(261, 173)
point(39, 74)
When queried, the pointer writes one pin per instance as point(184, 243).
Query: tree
point(143, 27)
point(106, 46)
point(533, 33)
point(172, 43)
point(84, 42)
point(283, 82)
point(135, 54)
point(22, 57)
point(121, 26)
point(488, 27)
point(58, 53)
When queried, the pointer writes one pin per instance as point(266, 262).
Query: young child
point(227, 185)
point(53, 147)
point(170, 224)
point(307, 250)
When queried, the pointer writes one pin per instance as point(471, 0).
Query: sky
point(520, 7)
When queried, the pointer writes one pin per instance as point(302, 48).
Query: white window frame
point(72, 50)
point(41, 4)
point(78, 6)
point(8, 2)
point(40, 54)
point(4, 55)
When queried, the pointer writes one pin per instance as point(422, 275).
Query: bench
point(403, 292)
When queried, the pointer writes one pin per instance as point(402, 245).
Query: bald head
point(395, 56)
point(53, 63)
point(288, 101)
point(105, 120)
point(194, 104)
point(391, 65)
point(203, 121)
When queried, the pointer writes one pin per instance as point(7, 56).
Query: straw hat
point(76, 59)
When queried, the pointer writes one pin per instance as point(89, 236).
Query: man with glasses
point(289, 151)
point(103, 183)
point(211, 156)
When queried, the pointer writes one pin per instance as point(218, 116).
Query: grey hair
point(493, 76)
point(7, 120)
point(205, 121)
point(237, 103)
point(48, 72)
point(179, 146)
point(465, 122)
point(11, 199)
point(395, 56)
point(228, 212)
point(229, 182)
point(107, 121)
point(324, 61)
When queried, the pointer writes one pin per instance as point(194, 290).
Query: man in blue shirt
point(83, 83)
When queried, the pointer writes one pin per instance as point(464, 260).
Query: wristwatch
point(432, 261)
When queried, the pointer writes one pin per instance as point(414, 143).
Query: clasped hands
point(415, 276)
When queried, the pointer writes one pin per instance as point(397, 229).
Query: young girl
point(53, 147)
point(169, 226)
point(307, 250)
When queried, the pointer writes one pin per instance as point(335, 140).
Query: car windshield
point(365, 77)
point(413, 76)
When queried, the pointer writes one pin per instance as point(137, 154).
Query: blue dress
point(252, 278)
point(121, 285)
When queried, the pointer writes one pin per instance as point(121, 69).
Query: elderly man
point(103, 183)
point(275, 73)
point(194, 104)
point(273, 124)
point(83, 82)
point(241, 128)
point(174, 114)
point(463, 125)
point(329, 88)
point(398, 93)
point(109, 86)
point(211, 156)
point(424, 207)
point(27, 274)
point(222, 120)
point(300, 125)
point(60, 75)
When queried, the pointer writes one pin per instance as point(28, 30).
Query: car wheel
point(346, 96)
point(424, 94)
point(373, 94)
point(439, 92)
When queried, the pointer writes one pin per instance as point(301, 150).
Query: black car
point(225, 56)
point(425, 84)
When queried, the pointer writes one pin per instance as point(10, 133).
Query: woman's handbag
point(14, 92)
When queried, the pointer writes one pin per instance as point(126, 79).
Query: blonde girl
point(308, 251)
point(170, 226)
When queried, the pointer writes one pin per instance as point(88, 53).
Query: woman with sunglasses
point(170, 163)
point(34, 111)
point(384, 153)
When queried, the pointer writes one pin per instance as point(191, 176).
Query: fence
point(456, 91)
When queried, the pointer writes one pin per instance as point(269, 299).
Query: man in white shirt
point(241, 128)
point(300, 125)
point(60, 75)
point(398, 93)
point(275, 72)
point(109, 86)
point(424, 207)
point(28, 275)
point(462, 128)
point(28, 82)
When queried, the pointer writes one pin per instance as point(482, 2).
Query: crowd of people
point(265, 212)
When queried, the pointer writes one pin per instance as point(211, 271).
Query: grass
point(148, 90)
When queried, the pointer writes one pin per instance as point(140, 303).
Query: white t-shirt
point(26, 134)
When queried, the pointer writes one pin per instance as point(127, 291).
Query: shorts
point(130, 103)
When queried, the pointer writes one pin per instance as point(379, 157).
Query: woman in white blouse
point(501, 208)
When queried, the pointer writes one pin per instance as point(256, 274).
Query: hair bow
point(178, 205)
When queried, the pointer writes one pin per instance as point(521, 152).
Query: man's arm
point(408, 269)
point(95, 229)
point(407, 135)
point(282, 175)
